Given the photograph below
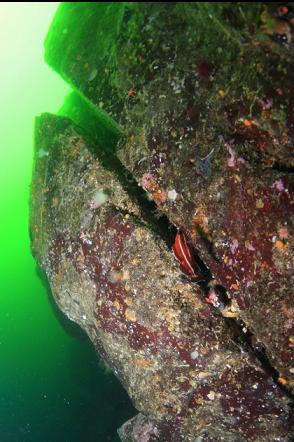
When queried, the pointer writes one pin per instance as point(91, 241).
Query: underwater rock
point(203, 96)
point(139, 428)
point(117, 279)
point(208, 134)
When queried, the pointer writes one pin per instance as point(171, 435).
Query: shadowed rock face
point(205, 133)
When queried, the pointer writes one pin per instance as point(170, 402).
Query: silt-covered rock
point(194, 101)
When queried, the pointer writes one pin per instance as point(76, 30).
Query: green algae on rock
point(82, 35)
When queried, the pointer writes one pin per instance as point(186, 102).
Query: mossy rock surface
point(181, 117)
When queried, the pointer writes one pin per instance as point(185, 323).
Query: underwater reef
point(162, 209)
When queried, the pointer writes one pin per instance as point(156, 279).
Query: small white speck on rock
point(194, 355)
point(211, 395)
point(172, 195)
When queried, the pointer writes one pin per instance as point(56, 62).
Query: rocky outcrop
point(196, 137)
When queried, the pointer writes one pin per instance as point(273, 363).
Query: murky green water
point(52, 385)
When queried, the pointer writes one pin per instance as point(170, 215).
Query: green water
point(52, 385)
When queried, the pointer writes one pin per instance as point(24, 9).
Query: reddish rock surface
point(203, 96)
point(111, 274)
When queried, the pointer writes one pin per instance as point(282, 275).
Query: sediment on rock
point(182, 104)
point(174, 355)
